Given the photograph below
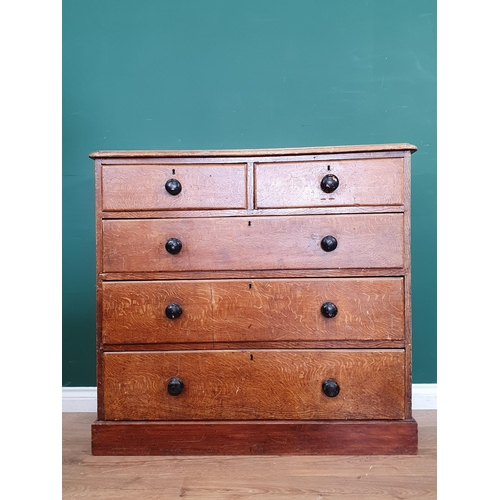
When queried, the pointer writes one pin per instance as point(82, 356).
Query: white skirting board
point(84, 399)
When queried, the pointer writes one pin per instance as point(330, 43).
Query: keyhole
point(328, 167)
point(173, 171)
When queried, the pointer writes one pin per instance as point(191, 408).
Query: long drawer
point(359, 182)
point(252, 310)
point(254, 385)
point(263, 243)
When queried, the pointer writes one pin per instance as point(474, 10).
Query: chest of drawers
point(254, 301)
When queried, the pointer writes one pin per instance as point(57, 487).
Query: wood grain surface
point(251, 345)
point(142, 187)
point(254, 385)
point(375, 437)
point(364, 148)
point(253, 310)
point(239, 243)
point(298, 184)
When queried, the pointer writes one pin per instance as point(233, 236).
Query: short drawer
point(259, 243)
point(254, 385)
point(252, 310)
point(173, 187)
point(330, 183)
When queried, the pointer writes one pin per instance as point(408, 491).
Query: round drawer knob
point(331, 388)
point(173, 246)
point(329, 310)
point(175, 386)
point(173, 311)
point(328, 243)
point(329, 183)
point(173, 186)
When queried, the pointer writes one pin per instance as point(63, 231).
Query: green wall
point(215, 74)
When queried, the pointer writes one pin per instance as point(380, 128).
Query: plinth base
point(362, 437)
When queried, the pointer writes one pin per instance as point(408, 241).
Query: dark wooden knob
point(328, 243)
point(173, 311)
point(329, 183)
point(331, 388)
point(329, 310)
point(175, 386)
point(173, 186)
point(173, 246)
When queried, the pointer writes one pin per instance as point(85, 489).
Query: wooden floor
point(239, 478)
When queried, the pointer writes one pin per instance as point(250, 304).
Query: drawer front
point(240, 243)
point(143, 187)
point(253, 310)
point(254, 385)
point(360, 182)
